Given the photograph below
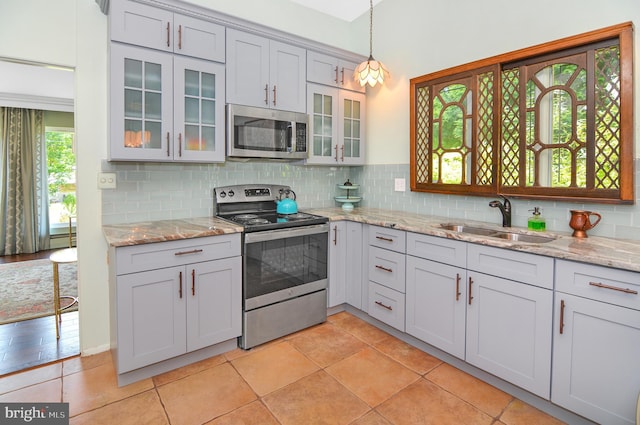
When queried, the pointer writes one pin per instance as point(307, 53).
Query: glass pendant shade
point(371, 72)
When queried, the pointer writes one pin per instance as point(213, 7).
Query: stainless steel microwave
point(266, 133)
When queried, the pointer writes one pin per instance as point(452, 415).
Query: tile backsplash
point(157, 191)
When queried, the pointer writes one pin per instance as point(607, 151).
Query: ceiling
point(347, 10)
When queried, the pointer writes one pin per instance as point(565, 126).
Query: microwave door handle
point(290, 135)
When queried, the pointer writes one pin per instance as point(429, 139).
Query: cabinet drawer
point(386, 305)
point(131, 259)
point(387, 268)
point(514, 265)
point(387, 238)
point(615, 286)
point(437, 249)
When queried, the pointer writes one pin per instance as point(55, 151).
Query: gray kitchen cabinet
point(509, 315)
point(173, 298)
point(336, 135)
point(265, 73)
point(144, 25)
point(386, 275)
point(332, 71)
point(596, 347)
point(165, 107)
point(437, 292)
point(345, 264)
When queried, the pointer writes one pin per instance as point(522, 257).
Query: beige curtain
point(24, 204)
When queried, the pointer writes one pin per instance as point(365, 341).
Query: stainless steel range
point(284, 262)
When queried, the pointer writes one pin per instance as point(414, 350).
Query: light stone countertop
point(166, 230)
point(618, 253)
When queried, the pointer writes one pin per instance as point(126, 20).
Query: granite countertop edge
point(618, 253)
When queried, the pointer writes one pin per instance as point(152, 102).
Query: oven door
point(283, 264)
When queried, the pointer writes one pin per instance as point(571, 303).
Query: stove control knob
point(223, 194)
point(231, 193)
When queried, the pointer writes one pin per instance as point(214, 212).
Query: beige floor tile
point(424, 403)
point(519, 413)
point(49, 391)
point(251, 414)
point(326, 344)
point(416, 360)
point(372, 376)
point(273, 367)
point(185, 371)
point(480, 394)
point(141, 409)
point(80, 363)
point(371, 418)
point(204, 396)
point(315, 399)
point(359, 328)
point(96, 387)
point(30, 377)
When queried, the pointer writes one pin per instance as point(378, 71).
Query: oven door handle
point(270, 235)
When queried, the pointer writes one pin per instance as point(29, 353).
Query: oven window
point(261, 134)
point(271, 266)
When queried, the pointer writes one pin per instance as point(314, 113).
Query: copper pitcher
point(580, 222)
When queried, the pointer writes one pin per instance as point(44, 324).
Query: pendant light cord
point(371, 29)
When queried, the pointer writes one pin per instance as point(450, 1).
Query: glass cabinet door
point(140, 104)
point(199, 110)
point(323, 132)
point(352, 115)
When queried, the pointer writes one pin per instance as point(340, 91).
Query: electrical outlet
point(400, 185)
point(106, 180)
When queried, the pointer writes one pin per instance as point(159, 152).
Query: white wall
point(413, 38)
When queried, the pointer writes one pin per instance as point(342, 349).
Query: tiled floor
point(344, 371)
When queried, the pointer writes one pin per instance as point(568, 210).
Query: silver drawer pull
point(384, 306)
point(615, 288)
point(384, 268)
point(382, 238)
point(194, 251)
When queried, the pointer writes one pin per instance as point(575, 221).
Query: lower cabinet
point(509, 331)
point(596, 372)
point(345, 264)
point(163, 313)
point(437, 304)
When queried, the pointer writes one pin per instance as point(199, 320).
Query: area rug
point(26, 289)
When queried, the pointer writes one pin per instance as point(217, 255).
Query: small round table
point(68, 255)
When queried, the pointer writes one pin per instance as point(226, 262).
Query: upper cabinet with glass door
point(165, 108)
point(142, 25)
point(336, 135)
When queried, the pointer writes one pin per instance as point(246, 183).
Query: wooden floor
point(32, 343)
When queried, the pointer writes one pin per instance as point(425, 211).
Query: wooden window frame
point(624, 194)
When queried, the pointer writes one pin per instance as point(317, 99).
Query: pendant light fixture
point(370, 71)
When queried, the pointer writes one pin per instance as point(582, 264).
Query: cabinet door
point(355, 281)
point(351, 110)
point(198, 38)
point(214, 302)
point(287, 76)
point(331, 71)
point(151, 311)
point(141, 25)
point(596, 372)
point(198, 110)
point(247, 69)
point(337, 264)
point(437, 304)
point(509, 331)
point(323, 113)
point(141, 104)
point(346, 81)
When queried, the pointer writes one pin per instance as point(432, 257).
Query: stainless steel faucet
point(505, 209)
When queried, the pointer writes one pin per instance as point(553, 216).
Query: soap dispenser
point(536, 221)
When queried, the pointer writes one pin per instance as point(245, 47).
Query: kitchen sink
point(492, 233)
point(461, 228)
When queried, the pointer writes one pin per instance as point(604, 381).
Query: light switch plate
point(106, 180)
point(400, 185)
